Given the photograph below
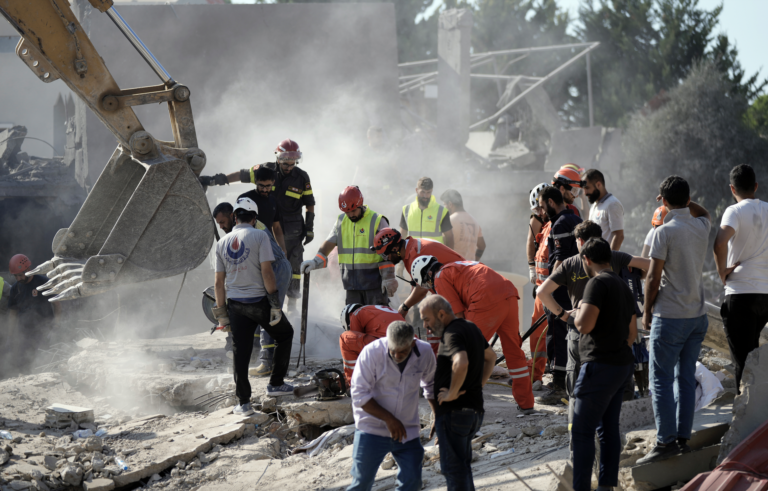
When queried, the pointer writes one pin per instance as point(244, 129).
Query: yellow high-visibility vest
point(358, 263)
point(425, 223)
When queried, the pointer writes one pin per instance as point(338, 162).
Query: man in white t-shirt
point(606, 209)
point(467, 235)
point(741, 256)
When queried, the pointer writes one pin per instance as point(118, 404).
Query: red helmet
point(19, 264)
point(385, 240)
point(658, 216)
point(288, 150)
point(350, 199)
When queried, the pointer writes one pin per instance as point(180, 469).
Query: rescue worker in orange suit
point(362, 325)
point(293, 192)
point(487, 299)
point(368, 278)
point(561, 244)
point(391, 246)
point(538, 267)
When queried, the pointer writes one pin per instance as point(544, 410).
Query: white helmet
point(535, 193)
point(346, 312)
point(246, 204)
point(420, 266)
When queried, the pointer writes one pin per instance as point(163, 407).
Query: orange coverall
point(366, 325)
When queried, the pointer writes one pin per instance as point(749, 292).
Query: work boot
point(660, 452)
point(553, 397)
point(537, 385)
point(525, 411)
point(261, 371)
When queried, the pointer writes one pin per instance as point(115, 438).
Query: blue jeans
point(369, 452)
point(675, 347)
point(455, 431)
point(598, 393)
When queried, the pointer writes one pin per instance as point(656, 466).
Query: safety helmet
point(288, 150)
point(350, 199)
point(346, 312)
point(19, 264)
point(246, 204)
point(658, 216)
point(420, 267)
point(569, 176)
point(385, 240)
point(535, 193)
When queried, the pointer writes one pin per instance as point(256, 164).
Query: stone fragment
point(99, 485)
point(63, 416)
point(17, 439)
point(514, 432)
point(321, 413)
point(93, 444)
point(72, 475)
point(49, 462)
point(207, 458)
point(388, 462)
point(4, 457)
point(532, 431)
point(97, 465)
point(155, 477)
point(188, 353)
point(19, 485)
point(555, 430)
point(196, 363)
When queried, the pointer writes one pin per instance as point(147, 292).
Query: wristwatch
point(404, 307)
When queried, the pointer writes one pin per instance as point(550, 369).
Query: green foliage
point(757, 116)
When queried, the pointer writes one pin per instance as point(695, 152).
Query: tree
point(757, 116)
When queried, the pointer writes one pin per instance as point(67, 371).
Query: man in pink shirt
point(467, 235)
point(385, 404)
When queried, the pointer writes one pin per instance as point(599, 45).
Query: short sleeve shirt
point(239, 254)
point(572, 276)
point(607, 342)
point(748, 246)
point(461, 335)
point(609, 214)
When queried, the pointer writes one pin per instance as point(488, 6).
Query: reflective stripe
point(352, 267)
point(257, 335)
point(562, 236)
point(522, 369)
point(323, 258)
point(542, 265)
point(522, 375)
point(253, 177)
point(307, 192)
point(292, 194)
point(542, 277)
point(296, 276)
point(559, 369)
point(267, 346)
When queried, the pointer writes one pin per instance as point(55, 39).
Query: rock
point(93, 444)
point(97, 465)
point(321, 413)
point(188, 353)
point(174, 472)
point(388, 462)
point(62, 443)
point(49, 462)
point(181, 464)
point(19, 485)
point(207, 458)
point(196, 363)
point(99, 485)
point(72, 475)
point(514, 432)
point(17, 439)
point(566, 476)
point(155, 477)
point(268, 404)
point(532, 431)
point(555, 430)
point(86, 343)
point(4, 457)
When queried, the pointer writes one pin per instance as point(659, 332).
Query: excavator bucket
point(141, 221)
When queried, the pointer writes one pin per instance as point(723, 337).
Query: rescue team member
point(607, 323)
point(540, 265)
point(391, 246)
point(467, 234)
point(536, 223)
point(246, 297)
point(568, 181)
point(487, 299)
point(367, 277)
point(606, 209)
point(362, 324)
point(561, 245)
point(269, 211)
point(293, 192)
point(425, 218)
point(385, 404)
point(31, 315)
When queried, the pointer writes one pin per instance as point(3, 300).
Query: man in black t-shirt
point(269, 212)
point(606, 321)
point(464, 363)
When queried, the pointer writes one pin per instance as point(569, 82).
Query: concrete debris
point(749, 411)
point(62, 415)
point(554, 430)
point(565, 476)
point(99, 485)
point(321, 413)
point(532, 431)
point(668, 472)
point(72, 475)
point(86, 343)
point(4, 457)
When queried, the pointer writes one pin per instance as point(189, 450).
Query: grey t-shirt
point(681, 241)
point(239, 254)
point(572, 276)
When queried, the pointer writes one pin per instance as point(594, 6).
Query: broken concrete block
point(555, 430)
point(93, 444)
point(749, 407)
point(99, 485)
point(97, 465)
point(668, 472)
point(321, 413)
point(565, 476)
point(63, 415)
point(72, 475)
point(188, 353)
point(20, 485)
point(4, 457)
point(388, 462)
point(636, 414)
point(532, 431)
point(49, 462)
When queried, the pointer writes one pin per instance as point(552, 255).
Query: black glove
point(310, 226)
point(215, 180)
point(535, 287)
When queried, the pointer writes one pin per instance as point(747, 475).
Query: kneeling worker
point(487, 299)
point(246, 297)
point(362, 324)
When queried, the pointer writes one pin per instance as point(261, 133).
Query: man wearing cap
point(425, 218)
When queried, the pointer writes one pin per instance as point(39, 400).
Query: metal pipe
point(140, 47)
point(589, 92)
point(417, 63)
point(533, 87)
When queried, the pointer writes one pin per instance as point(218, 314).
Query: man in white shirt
point(606, 209)
point(741, 256)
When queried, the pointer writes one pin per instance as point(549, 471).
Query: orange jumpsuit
point(366, 325)
point(542, 273)
point(489, 301)
point(427, 247)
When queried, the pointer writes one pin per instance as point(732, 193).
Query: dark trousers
point(295, 250)
point(572, 372)
point(455, 431)
point(367, 297)
point(744, 317)
point(244, 319)
point(557, 348)
point(598, 394)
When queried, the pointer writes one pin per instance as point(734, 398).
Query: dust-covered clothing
point(30, 305)
point(609, 214)
point(239, 254)
point(461, 335)
point(466, 231)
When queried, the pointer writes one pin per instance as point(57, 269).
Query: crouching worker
point(246, 297)
point(362, 324)
point(385, 404)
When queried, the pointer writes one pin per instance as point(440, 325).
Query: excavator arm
point(146, 216)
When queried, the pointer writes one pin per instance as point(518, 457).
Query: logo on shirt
point(429, 217)
point(34, 292)
point(557, 243)
point(362, 230)
point(237, 252)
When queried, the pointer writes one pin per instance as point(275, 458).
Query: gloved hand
point(275, 311)
point(317, 262)
point(221, 315)
point(309, 222)
point(532, 274)
point(215, 180)
point(310, 236)
point(389, 287)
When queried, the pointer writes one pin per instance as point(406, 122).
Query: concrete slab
point(667, 472)
point(321, 413)
point(99, 485)
point(715, 337)
point(62, 415)
point(636, 414)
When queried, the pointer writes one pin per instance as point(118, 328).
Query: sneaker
point(553, 397)
point(537, 385)
point(525, 411)
point(683, 444)
point(660, 452)
point(282, 390)
point(243, 409)
point(261, 370)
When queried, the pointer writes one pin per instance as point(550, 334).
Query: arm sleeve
point(403, 223)
point(706, 222)
point(560, 276)
point(307, 198)
point(443, 288)
point(383, 223)
point(355, 324)
point(616, 216)
point(363, 378)
point(594, 293)
point(332, 236)
point(220, 267)
point(649, 238)
point(730, 219)
point(277, 216)
point(563, 239)
point(659, 244)
point(621, 260)
point(428, 375)
point(445, 225)
point(265, 248)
